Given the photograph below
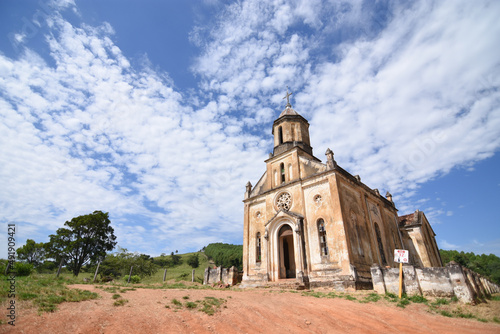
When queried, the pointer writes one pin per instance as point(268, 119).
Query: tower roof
point(288, 111)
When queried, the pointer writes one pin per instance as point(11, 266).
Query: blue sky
point(159, 112)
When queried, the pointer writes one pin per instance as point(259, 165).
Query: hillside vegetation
point(225, 255)
point(486, 265)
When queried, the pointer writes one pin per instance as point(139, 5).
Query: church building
point(314, 224)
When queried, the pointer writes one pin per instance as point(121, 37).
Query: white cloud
point(93, 133)
point(448, 246)
point(414, 102)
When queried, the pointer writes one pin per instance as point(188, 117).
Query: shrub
point(193, 260)
point(133, 279)
point(23, 269)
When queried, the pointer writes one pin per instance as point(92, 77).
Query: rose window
point(284, 201)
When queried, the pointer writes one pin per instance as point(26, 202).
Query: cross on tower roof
point(287, 97)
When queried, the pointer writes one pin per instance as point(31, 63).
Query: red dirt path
point(251, 311)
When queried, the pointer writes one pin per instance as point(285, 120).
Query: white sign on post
point(401, 256)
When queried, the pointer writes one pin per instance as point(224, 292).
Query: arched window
point(322, 237)
point(380, 245)
point(258, 248)
point(282, 170)
point(354, 221)
point(280, 135)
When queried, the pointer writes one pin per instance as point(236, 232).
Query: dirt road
point(251, 311)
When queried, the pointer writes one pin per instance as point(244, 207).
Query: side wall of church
point(370, 225)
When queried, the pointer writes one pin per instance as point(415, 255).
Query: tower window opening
point(282, 170)
point(322, 237)
point(280, 135)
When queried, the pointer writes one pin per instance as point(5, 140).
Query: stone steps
point(286, 284)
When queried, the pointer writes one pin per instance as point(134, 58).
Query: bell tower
point(290, 130)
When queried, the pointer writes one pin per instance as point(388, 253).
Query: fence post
point(130, 275)
point(60, 266)
point(96, 270)
point(165, 275)
point(192, 276)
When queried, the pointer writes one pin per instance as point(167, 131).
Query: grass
point(418, 299)
point(349, 297)
point(45, 291)
point(446, 314)
point(208, 305)
point(180, 272)
point(371, 298)
point(403, 302)
point(191, 305)
point(211, 304)
point(120, 302)
point(441, 301)
point(176, 302)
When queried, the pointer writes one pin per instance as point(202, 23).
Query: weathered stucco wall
point(452, 280)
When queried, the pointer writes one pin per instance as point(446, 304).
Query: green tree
point(486, 265)
point(225, 255)
point(118, 264)
point(87, 238)
point(175, 259)
point(193, 260)
point(32, 252)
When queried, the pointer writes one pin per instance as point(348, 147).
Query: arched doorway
point(286, 252)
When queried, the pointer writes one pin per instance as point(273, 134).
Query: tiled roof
point(407, 220)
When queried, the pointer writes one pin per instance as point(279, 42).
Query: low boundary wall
point(229, 276)
point(451, 280)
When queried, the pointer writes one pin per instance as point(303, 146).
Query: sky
point(159, 112)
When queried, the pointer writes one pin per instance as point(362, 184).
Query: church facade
point(315, 224)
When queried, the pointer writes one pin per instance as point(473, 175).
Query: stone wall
point(216, 275)
point(452, 280)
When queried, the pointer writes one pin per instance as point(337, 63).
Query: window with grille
point(258, 255)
